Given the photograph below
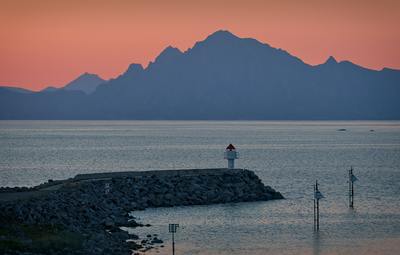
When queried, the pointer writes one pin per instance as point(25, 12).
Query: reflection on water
point(273, 227)
point(316, 243)
point(289, 156)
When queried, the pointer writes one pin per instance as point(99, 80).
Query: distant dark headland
point(222, 77)
point(83, 215)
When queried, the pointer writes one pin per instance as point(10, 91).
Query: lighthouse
point(231, 154)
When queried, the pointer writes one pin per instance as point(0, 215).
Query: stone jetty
point(84, 214)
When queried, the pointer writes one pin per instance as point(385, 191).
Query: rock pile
point(94, 209)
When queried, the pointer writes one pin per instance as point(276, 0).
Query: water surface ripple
point(289, 156)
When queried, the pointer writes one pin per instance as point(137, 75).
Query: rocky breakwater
point(84, 214)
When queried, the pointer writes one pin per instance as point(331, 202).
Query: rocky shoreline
point(83, 215)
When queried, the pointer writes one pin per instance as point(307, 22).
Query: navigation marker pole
point(315, 215)
point(352, 179)
point(172, 229)
point(317, 196)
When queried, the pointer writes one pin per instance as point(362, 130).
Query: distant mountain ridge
point(15, 89)
point(86, 82)
point(223, 77)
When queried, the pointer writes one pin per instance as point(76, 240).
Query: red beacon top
point(230, 147)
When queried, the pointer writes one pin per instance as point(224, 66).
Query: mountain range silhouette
point(222, 77)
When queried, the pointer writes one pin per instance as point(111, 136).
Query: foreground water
point(289, 156)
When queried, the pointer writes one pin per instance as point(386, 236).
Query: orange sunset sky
point(50, 42)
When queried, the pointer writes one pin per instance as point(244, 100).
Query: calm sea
point(289, 156)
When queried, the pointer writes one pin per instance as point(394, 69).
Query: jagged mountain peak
point(168, 53)
point(134, 68)
point(330, 60)
point(220, 38)
point(221, 35)
point(88, 75)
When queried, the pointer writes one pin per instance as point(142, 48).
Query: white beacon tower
point(231, 154)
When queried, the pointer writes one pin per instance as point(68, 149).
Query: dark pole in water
point(316, 207)
point(350, 198)
point(352, 179)
point(173, 244)
point(316, 188)
point(317, 196)
point(352, 193)
point(172, 229)
point(315, 216)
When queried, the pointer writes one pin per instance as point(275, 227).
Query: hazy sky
point(50, 42)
